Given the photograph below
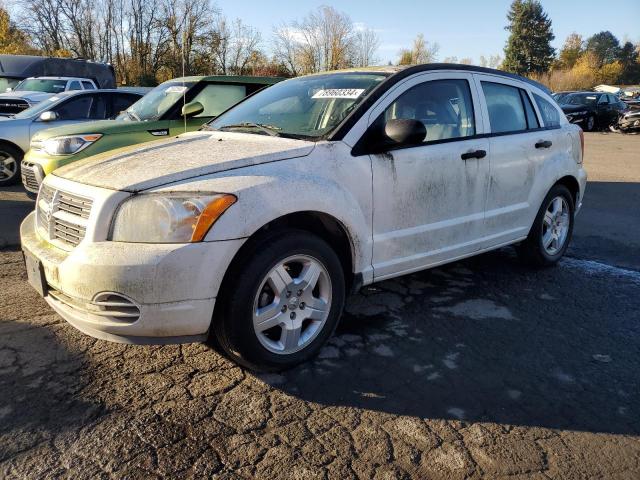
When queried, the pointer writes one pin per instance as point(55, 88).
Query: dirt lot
point(479, 369)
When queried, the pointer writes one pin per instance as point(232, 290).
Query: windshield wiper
point(268, 129)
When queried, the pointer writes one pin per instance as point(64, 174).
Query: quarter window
point(444, 107)
point(550, 115)
point(506, 108)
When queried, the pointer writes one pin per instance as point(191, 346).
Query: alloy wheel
point(8, 166)
point(292, 304)
point(555, 225)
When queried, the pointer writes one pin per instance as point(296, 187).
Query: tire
point(536, 250)
point(10, 158)
point(590, 126)
point(258, 283)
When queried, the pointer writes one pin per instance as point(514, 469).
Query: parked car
point(15, 68)
point(253, 230)
point(629, 122)
point(61, 109)
point(592, 110)
point(174, 107)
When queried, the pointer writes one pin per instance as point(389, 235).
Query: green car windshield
point(156, 103)
point(306, 107)
point(42, 85)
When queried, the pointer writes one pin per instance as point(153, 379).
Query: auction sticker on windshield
point(339, 93)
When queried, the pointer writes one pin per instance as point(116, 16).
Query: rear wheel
point(282, 303)
point(10, 158)
point(551, 232)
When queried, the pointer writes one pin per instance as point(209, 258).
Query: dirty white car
point(252, 231)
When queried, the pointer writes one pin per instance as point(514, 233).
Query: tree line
point(149, 41)
point(581, 63)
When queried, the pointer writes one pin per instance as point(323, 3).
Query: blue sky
point(462, 28)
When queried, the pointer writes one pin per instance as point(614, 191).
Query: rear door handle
point(545, 144)
point(474, 154)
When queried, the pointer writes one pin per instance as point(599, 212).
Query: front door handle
point(545, 144)
point(474, 154)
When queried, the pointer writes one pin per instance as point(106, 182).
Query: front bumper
point(172, 286)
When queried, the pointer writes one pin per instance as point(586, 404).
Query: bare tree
point(286, 48)
point(421, 52)
point(366, 43)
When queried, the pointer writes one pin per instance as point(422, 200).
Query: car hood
point(190, 155)
point(31, 97)
point(576, 108)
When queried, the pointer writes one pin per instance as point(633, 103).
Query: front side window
point(506, 108)
point(307, 107)
point(581, 99)
point(42, 85)
point(88, 85)
point(75, 85)
point(603, 100)
point(217, 98)
point(157, 102)
point(549, 113)
point(444, 107)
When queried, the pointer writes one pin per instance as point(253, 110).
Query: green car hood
point(105, 127)
point(141, 167)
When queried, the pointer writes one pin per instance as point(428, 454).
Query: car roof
point(229, 79)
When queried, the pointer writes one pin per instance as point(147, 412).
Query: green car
point(173, 107)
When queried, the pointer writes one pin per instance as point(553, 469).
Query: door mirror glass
point(191, 109)
point(48, 116)
point(405, 131)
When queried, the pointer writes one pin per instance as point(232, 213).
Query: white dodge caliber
point(251, 231)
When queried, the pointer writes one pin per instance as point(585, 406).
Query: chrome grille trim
point(32, 176)
point(62, 217)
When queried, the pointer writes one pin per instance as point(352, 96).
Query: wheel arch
point(12, 145)
point(572, 185)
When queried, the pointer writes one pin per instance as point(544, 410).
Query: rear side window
point(532, 120)
point(444, 107)
point(506, 109)
point(217, 98)
point(75, 85)
point(88, 85)
point(550, 115)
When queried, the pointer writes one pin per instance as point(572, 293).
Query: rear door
point(519, 145)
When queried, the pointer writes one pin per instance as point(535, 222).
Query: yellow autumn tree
point(13, 40)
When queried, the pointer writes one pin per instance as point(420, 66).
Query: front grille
point(31, 176)
point(11, 107)
point(62, 216)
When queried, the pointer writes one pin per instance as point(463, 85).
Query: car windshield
point(581, 99)
point(6, 82)
point(38, 108)
point(156, 103)
point(42, 85)
point(306, 107)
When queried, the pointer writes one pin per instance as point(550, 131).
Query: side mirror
point(9, 89)
point(191, 109)
point(405, 131)
point(48, 116)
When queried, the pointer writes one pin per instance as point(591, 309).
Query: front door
point(429, 199)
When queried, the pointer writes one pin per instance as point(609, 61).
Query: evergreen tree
point(528, 49)
point(605, 46)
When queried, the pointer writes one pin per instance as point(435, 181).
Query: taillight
point(581, 145)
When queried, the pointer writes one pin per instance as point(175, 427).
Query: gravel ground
point(482, 368)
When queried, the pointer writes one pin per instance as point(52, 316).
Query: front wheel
point(282, 303)
point(10, 158)
point(551, 232)
point(591, 123)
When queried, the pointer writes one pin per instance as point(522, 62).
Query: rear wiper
point(268, 129)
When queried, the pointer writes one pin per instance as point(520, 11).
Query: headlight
point(168, 218)
point(69, 145)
